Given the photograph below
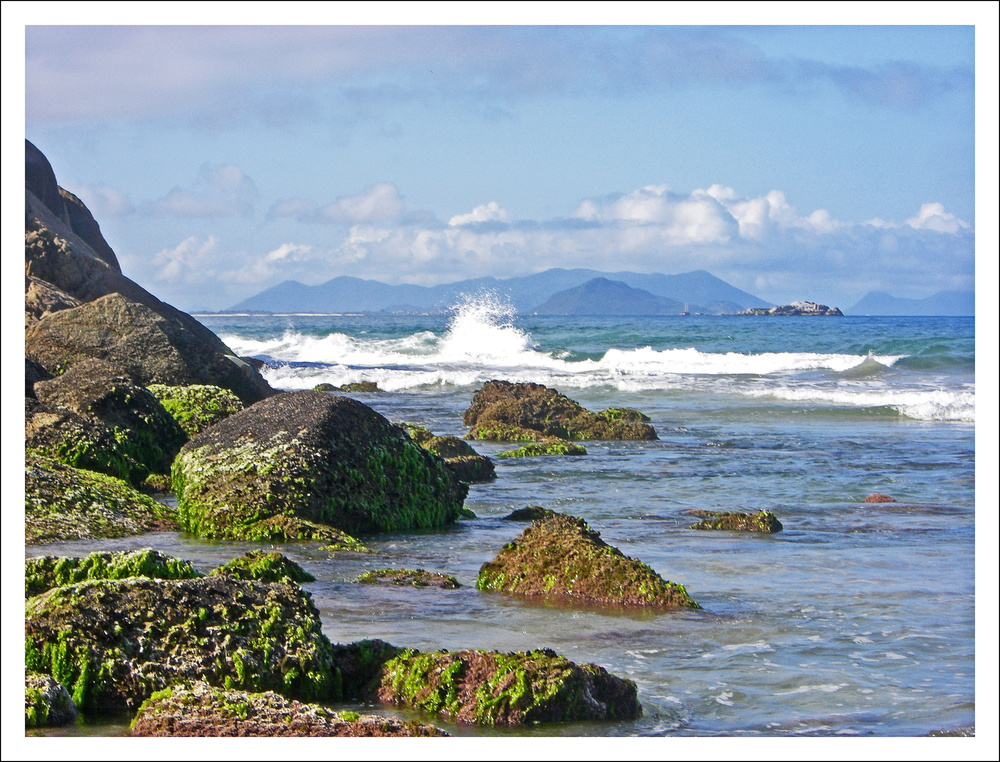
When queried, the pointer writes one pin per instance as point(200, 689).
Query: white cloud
point(104, 201)
point(188, 262)
point(934, 217)
point(289, 261)
point(377, 203)
point(491, 212)
point(219, 191)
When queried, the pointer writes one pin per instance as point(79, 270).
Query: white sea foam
point(919, 404)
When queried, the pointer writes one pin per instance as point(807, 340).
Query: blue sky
point(796, 162)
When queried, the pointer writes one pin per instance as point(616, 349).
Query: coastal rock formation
point(66, 503)
point(196, 407)
point(530, 513)
point(465, 464)
point(546, 446)
point(363, 387)
point(762, 521)
point(46, 702)
point(523, 412)
point(409, 577)
point(559, 556)
point(113, 643)
point(33, 373)
point(201, 710)
point(795, 308)
point(264, 566)
point(313, 457)
point(43, 573)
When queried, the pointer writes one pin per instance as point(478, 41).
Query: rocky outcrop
point(507, 412)
point(408, 577)
point(547, 446)
point(465, 464)
point(113, 643)
point(42, 573)
point(362, 387)
point(264, 566)
point(201, 710)
point(561, 557)
point(66, 503)
point(196, 407)
point(46, 702)
point(312, 457)
point(42, 298)
point(33, 373)
point(795, 308)
point(762, 521)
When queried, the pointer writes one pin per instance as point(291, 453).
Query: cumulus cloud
point(491, 212)
point(104, 201)
point(219, 191)
point(378, 203)
point(289, 261)
point(191, 261)
point(934, 217)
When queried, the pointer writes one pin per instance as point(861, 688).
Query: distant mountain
point(347, 294)
point(943, 303)
point(600, 296)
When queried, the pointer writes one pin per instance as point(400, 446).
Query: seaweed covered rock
point(762, 521)
point(465, 464)
point(198, 406)
point(561, 557)
point(42, 573)
point(113, 643)
point(46, 702)
point(264, 566)
point(198, 709)
point(489, 688)
point(311, 457)
point(98, 392)
point(547, 446)
point(523, 412)
point(410, 577)
point(66, 503)
point(530, 513)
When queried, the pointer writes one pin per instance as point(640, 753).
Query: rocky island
point(795, 308)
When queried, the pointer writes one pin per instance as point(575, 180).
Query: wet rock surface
point(408, 577)
point(42, 573)
point(464, 462)
point(264, 566)
point(762, 521)
point(879, 497)
point(46, 702)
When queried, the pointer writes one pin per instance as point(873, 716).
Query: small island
point(795, 308)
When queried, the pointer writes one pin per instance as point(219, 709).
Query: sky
point(795, 162)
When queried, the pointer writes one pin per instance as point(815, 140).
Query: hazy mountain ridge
point(943, 303)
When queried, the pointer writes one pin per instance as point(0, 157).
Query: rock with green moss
point(196, 407)
point(762, 521)
point(113, 643)
point(42, 573)
point(46, 702)
point(266, 567)
point(199, 709)
point(523, 412)
point(65, 503)
point(465, 463)
point(547, 446)
point(315, 457)
point(410, 577)
point(561, 557)
point(362, 387)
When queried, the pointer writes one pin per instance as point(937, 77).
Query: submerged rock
point(465, 464)
point(314, 458)
point(561, 557)
point(199, 709)
point(879, 497)
point(43, 573)
point(265, 567)
point(531, 513)
point(46, 702)
point(762, 521)
point(548, 446)
point(411, 577)
point(523, 412)
point(362, 387)
point(198, 406)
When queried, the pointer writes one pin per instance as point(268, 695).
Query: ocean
point(857, 620)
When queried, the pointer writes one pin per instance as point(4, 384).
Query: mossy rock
point(358, 387)
point(465, 463)
point(409, 577)
point(46, 702)
point(762, 521)
point(113, 643)
point(264, 566)
point(199, 709)
point(550, 446)
point(198, 406)
point(42, 573)
point(531, 513)
point(505, 411)
point(560, 557)
point(314, 457)
point(65, 503)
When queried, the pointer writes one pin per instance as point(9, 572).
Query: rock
point(196, 407)
point(465, 464)
point(547, 446)
point(148, 347)
point(363, 387)
point(313, 457)
point(878, 497)
point(795, 308)
point(33, 373)
point(65, 503)
point(201, 710)
point(113, 643)
point(762, 521)
point(523, 412)
point(411, 577)
point(561, 557)
point(43, 573)
point(266, 567)
point(46, 702)
point(41, 298)
point(98, 392)
point(531, 513)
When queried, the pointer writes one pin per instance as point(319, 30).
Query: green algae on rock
point(317, 457)
point(198, 406)
point(762, 521)
point(561, 557)
point(505, 411)
point(46, 702)
point(411, 577)
point(465, 463)
point(113, 643)
point(65, 503)
point(42, 573)
point(358, 387)
point(264, 566)
point(199, 709)
point(547, 446)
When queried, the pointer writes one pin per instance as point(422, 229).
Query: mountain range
point(943, 303)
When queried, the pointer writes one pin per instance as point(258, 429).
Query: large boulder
point(113, 643)
point(524, 412)
point(559, 556)
point(196, 407)
point(46, 702)
point(315, 457)
point(42, 573)
point(66, 503)
point(465, 464)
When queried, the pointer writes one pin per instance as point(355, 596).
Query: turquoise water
point(857, 619)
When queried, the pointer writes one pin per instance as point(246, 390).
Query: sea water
point(857, 619)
